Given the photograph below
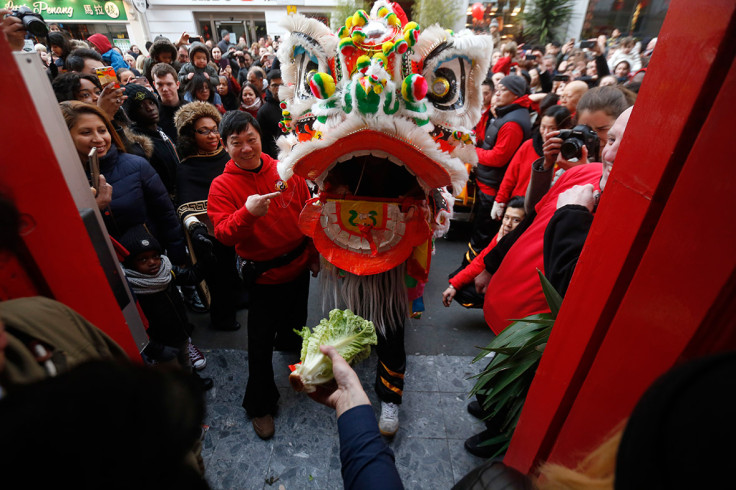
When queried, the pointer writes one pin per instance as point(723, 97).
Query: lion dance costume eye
point(372, 115)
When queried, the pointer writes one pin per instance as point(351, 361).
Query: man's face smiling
point(245, 148)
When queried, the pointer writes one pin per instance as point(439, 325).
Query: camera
point(32, 22)
point(574, 139)
point(587, 44)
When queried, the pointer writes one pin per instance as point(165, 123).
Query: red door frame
point(649, 279)
point(57, 240)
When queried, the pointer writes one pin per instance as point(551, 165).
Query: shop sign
point(123, 44)
point(73, 10)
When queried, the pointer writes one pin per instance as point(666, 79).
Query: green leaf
point(554, 300)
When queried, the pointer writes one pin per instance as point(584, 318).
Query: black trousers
point(391, 364)
point(275, 311)
point(224, 285)
point(484, 227)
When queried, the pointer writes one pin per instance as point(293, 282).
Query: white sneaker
point(388, 424)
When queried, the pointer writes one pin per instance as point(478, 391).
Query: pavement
point(304, 453)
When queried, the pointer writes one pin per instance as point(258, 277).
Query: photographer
point(598, 109)
point(14, 30)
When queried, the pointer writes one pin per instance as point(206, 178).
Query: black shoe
point(473, 444)
point(226, 327)
point(476, 410)
point(205, 383)
point(194, 303)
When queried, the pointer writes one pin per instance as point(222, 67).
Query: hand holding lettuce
point(350, 335)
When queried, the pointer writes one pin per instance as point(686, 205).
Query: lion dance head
point(379, 116)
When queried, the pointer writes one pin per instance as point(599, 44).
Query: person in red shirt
point(462, 287)
point(497, 145)
point(516, 178)
point(257, 213)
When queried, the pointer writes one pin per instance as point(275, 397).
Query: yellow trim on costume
point(392, 387)
point(392, 373)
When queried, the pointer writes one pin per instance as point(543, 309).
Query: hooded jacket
point(266, 237)
point(109, 55)
point(160, 45)
point(189, 67)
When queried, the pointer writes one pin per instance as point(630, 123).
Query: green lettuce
point(349, 333)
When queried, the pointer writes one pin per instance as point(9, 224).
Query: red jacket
point(519, 172)
point(467, 275)
point(266, 237)
point(515, 290)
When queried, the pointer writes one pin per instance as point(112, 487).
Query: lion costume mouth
point(378, 116)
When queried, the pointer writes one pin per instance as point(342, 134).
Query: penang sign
point(74, 10)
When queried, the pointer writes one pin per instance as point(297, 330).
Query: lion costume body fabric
point(379, 116)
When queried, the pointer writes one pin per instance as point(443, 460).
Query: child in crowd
point(199, 63)
point(153, 279)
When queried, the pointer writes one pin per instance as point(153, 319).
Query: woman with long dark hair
point(200, 89)
point(250, 99)
point(202, 159)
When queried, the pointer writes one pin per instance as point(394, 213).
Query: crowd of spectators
point(156, 130)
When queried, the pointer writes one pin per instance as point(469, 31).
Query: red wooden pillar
point(61, 261)
point(655, 281)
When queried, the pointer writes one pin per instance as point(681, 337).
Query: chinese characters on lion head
point(379, 115)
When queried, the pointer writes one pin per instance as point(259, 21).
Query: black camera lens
point(35, 26)
point(571, 148)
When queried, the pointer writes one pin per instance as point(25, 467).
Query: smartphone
point(195, 39)
point(94, 168)
point(587, 44)
point(107, 75)
point(531, 57)
point(561, 78)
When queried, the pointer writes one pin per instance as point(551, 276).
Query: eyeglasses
point(206, 131)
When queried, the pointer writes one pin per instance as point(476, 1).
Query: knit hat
point(515, 84)
point(494, 22)
point(136, 241)
point(223, 33)
point(101, 42)
point(136, 95)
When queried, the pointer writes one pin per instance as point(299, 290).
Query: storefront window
point(639, 18)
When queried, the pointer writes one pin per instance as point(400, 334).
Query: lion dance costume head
point(379, 116)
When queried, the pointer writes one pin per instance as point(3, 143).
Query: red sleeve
point(509, 138)
point(235, 84)
point(509, 179)
point(474, 268)
point(232, 221)
point(502, 65)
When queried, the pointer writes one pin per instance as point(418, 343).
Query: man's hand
point(346, 391)
point(13, 28)
point(257, 204)
point(184, 39)
point(448, 295)
point(103, 197)
point(498, 210)
point(481, 281)
point(579, 194)
point(111, 99)
point(551, 149)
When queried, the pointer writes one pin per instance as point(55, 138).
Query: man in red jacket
point(496, 147)
point(257, 213)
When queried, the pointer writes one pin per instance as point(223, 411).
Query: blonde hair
point(595, 472)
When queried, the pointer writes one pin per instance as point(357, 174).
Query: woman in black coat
point(202, 159)
point(131, 192)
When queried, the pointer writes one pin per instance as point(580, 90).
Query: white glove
point(497, 211)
